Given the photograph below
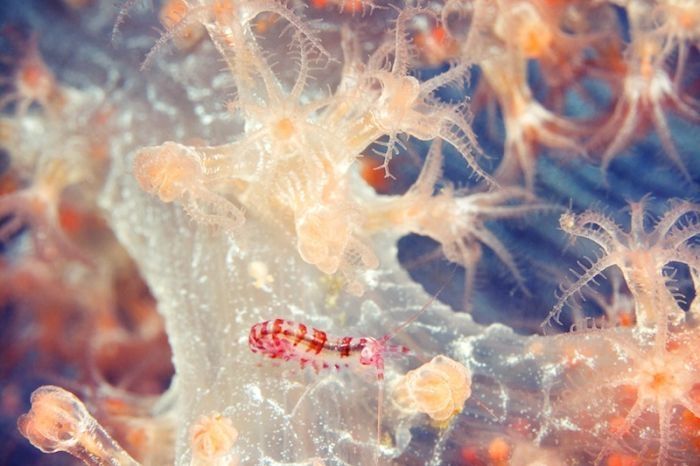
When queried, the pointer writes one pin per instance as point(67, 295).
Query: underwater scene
point(349, 232)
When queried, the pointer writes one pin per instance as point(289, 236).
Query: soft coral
point(456, 219)
point(32, 81)
point(648, 89)
point(621, 390)
point(38, 207)
point(640, 254)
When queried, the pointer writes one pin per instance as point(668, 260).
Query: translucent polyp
point(59, 421)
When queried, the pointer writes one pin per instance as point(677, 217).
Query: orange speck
point(499, 451)
point(521, 425)
point(263, 24)
point(99, 151)
point(691, 427)
point(319, 4)
point(628, 393)
point(612, 59)
point(470, 456)
point(686, 20)
point(617, 425)
point(70, 219)
point(172, 12)
point(658, 381)
point(439, 34)
point(672, 345)
point(137, 438)
point(352, 6)
point(33, 75)
point(284, 128)
point(626, 319)
point(618, 459)
point(690, 422)
point(436, 46)
point(115, 406)
point(172, 15)
point(8, 184)
point(373, 175)
point(536, 42)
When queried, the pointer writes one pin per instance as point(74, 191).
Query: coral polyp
point(641, 254)
point(438, 388)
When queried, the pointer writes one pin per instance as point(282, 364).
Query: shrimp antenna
point(413, 318)
point(380, 369)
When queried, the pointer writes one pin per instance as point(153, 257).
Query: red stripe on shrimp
point(318, 342)
point(301, 334)
point(344, 346)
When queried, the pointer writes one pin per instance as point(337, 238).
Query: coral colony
point(218, 217)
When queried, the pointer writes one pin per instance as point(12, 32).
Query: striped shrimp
point(291, 341)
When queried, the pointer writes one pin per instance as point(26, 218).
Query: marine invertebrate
point(52, 157)
point(59, 421)
point(647, 91)
point(175, 173)
point(438, 388)
point(635, 385)
point(289, 341)
point(345, 6)
point(679, 22)
point(217, 17)
point(406, 105)
point(435, 44)
point(455, 218)
point(617, 309)
point(280, 339)
point(527, 123)
point(683, 14)
point(32, 81)
point(37, 206)
point(171, 14)
point(283, 161)
point(260, 274)
point(525, 33)
point(211, 438)
point(640, 253)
